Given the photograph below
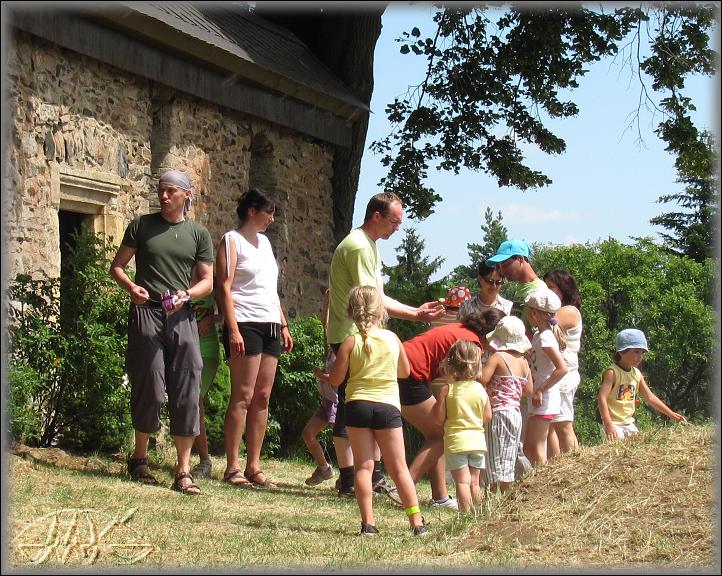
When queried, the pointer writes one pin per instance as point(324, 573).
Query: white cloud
point(526, 214)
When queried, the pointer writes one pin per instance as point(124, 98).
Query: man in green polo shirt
point(356, 262)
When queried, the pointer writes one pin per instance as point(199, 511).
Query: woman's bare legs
point(430, 457)
point(257, 418)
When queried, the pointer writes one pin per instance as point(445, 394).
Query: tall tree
point(691, 232)
point(494, 234)
point(410, 280)
point(489, 84)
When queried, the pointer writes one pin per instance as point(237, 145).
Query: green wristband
point(411, 510)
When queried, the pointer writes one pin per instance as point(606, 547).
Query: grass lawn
point(645, 503)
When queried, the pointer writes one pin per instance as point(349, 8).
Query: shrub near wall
point(295, 397)
point(67, 342)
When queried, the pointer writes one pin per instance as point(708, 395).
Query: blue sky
point(605, 185)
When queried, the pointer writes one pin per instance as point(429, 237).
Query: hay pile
point(644, 501)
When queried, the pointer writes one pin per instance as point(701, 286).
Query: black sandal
point(236, 474)
point(252, 477)
point(185, 489)
point(139, 471)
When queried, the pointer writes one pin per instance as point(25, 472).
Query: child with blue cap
point(617, 400)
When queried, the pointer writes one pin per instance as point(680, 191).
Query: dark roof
point(229, 36)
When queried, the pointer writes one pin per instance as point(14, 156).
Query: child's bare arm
point(528, 389)
point(653, 400)
point(608, 381)
point(338, 370)
point(403, 368)
point(560, 369)
point(488, 370)
point(487, 411)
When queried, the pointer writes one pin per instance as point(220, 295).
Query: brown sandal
point(233, 475)
point(191, 489)
point(139, 471)
point(252, 477)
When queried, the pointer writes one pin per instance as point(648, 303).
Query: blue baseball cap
point(507, 249)
point(631, 338)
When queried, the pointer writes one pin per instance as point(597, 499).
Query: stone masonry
point(88, 137)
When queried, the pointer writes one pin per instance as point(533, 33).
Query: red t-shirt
point(427, 350)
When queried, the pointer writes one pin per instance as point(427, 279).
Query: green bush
point(68, 338)
point(295, 397)
point(215, 405)
point(646, 287)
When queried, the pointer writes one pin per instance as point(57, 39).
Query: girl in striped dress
point(507, 378)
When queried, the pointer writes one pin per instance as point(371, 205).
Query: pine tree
point(692, 230)
point(409, 281)
point(494, 234)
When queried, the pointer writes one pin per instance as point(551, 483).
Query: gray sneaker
point(383, 486)
point(347, 493)
point(202, 469)
point(369, 530)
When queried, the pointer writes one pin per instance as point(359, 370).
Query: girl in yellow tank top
point(374, 360)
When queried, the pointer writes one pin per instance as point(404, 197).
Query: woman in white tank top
point(561, 436)
point(255, 333)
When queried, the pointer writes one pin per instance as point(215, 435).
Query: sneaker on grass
point(319, 475)
point(384, 487)
point(368, 530)
point(202, 469)
point(448, 502)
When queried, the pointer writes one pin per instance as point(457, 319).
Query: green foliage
point(410, 282)
point(215, 406)
point(494, 234)
point(641, 286)
point(692, 232)
point(295, 397)
point(490, 84)
point(68, 338)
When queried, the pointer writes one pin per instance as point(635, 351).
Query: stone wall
point(71, 114)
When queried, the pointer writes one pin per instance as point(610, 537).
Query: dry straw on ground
point(642, 504)
point(647, 500)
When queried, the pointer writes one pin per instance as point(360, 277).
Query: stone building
point(100, 102)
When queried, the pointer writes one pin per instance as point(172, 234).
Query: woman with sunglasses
point(490, 281)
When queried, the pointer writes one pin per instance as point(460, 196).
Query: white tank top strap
point(511, 372)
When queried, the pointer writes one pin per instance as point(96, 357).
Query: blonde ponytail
point(366, 309)
point(559, 335)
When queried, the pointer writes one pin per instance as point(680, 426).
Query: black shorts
point(412, 392)
point(258, 337)
point(374, 415)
